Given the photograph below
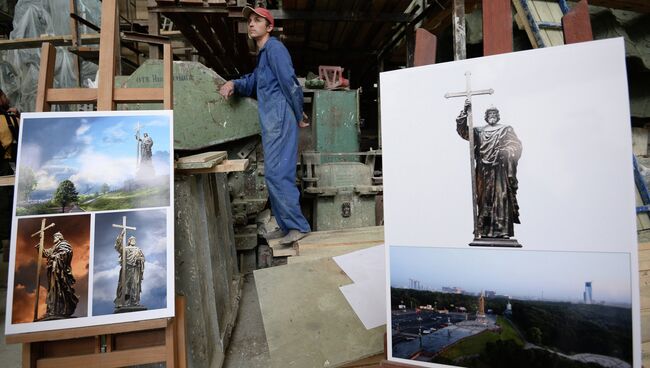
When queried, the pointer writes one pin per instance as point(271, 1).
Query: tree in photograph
point(535, 335)
point(105, 188)
point(26, 183)
point(65, 194)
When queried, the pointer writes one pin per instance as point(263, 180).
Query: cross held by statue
point(124, 228)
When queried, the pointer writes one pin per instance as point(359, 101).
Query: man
point(280, 102)
point(61, 300)
point(9, 118)
point(128, 295)
point(496, 151)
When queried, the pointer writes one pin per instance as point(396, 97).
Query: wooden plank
point(521, 14)
point(644, 246)
point(202, 157)
point(181, 349)
point(7, 180)
point(576, 25)
point(144, 95)
point(548, 11)
point(35, 42)
point(74, 333)
point(71, 95)
point(45, 77)
point(497, 27)
point(645, 322)
point(107, 64)
point(372, 361)
point(168, 73)
point(645, 356)
point(425, 47)
point(169, 355)
point(225, 167)
point(113, 359)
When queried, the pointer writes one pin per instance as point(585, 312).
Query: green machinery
point(203, 120)
point(338, 177)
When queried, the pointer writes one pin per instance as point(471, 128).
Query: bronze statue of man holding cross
point(61, 300)
point(495, 150)
point(129, 287)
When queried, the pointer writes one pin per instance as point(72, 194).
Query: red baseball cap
point(262, 12)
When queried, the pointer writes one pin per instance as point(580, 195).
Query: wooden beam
point(74, 333)
point(71, 95)
point(576, 24)
point(144, 95)
point(35, 42)
point(113, 359)
point(45, 77)
point(7, 180)
point(425, 47)
point(107, 50)
point(497, 27)
point(336, 16)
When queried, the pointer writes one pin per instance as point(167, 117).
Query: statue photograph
point(53, 254)
point(145, 145)
point(130, 262)
point(131, 259)
point(496, 153)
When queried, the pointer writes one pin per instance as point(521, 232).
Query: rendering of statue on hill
point(129, 286)
point(497, 150)
point(61, 300)
point(145, 144)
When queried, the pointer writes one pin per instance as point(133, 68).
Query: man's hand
point(227, 89)
point(468, 106)
point(304, 122)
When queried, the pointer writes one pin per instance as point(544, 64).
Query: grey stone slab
point(307, 320)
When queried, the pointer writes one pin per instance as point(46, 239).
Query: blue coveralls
point(280, 100)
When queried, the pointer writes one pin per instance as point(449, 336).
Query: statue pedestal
point(495, 242)
point(135, 308)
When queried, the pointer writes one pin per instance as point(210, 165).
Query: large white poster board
point(81, 178)
point(571, 292)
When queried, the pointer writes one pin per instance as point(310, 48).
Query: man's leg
point(280, 158)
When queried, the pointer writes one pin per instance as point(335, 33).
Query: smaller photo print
point(510, 308)
point(50, 273)
point(130, 262)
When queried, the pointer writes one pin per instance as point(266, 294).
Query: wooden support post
point(154, 29)
point(107, 53)
point(425, 47)
point(497, 27)
point(74, 30)
point(168, 77)
point(46, 76)
point(577, 25)
point(458, 25)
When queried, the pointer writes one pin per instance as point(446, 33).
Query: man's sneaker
point(291, 237)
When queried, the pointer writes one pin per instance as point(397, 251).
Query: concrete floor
point(10, 355)
point(248, 347)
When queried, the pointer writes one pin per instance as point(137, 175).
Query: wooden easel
point(497, 39)
point(123, 344)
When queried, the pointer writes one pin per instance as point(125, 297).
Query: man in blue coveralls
point(280, 99)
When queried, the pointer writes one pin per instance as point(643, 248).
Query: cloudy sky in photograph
point(89, 151)
point(151, 238)
point(550, 275)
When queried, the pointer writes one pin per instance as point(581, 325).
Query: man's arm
point(243, 86)
point(461, 121)
point(280, 62)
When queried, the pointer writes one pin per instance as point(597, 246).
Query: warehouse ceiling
point(359, 35)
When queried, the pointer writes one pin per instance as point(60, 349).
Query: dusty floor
point(248, 348)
